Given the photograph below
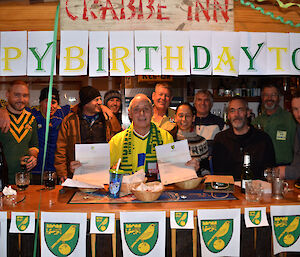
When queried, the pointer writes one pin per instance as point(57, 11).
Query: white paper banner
point(98, 53)
point(22, 222)
point(219, 231)
point(182, 219)
point(73, 53)
point(121, 53)
point(102, 223)
point(147, 53)
point(143, 233)
point(40, 46)
point(63, 234)
point(255, 217)
point(175, 53)
point(253, 54)
point(295, 53)
point(226, 53)
point(278, 53)
point(13, 53)
point(200, 51)
point(285, 228)
point(3, 234)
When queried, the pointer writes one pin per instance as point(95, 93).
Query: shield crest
point(216, 233)
point(22, 222)
point(181, 218)
point(101, 223)
point(61, 238)
point(286, 229)
point(141, 237)
point(255, 217)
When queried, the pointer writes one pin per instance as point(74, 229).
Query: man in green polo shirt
point(21, 139)
point(279, 124)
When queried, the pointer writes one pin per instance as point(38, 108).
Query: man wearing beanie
point(113, 100)
point(86, 125)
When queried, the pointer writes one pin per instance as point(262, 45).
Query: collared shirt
point(168, 120)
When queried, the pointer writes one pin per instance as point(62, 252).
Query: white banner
point(13, 53)
point(3, 233)
point(278, 53)
point(63, 234)
point(175, 56)
point(285, 228)
point(226, 49)
point(121, 53)
point(182, 219)
point(73, 56)
point(201, 52)
point(22, 222)
point(98, 53)
point(256, 217)
point(147, 53)
point(143, 233)
point(219, 231)
point(253, 54)
point(102, 223)
point(40, 46)
point(295, 52)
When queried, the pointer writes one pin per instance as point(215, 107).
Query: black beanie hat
point(45, 91)
point(112, 94)
point(87, 94)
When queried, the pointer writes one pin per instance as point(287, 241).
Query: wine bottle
point(247, 173)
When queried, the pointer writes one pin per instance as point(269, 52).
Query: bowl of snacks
point(148, 192)
point(189, 184)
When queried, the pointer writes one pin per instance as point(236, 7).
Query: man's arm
point(4, 120)
point(108, 114)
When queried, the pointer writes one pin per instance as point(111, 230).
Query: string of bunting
point(279, 18)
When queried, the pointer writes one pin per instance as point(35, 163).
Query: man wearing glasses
point(278, 124)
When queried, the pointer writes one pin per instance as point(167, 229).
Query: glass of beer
point(49, 178)
point(22, 180)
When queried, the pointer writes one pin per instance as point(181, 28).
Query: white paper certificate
point(95, 163)
point(171, 159)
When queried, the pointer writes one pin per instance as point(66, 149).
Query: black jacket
point(229, 149)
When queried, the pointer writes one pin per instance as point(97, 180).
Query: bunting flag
point(143, 233)
point(63, 234)
point(22, 222)
point(256, 217)
point(285, 228)
point(182, 219)
point(295, 52)
point(3, 233)
point(219, 231)
point(102, 223)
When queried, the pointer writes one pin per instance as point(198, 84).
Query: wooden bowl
point(147, 196)
point(189, 184)
point(88, 190)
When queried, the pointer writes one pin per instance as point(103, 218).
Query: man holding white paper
point(136, 145)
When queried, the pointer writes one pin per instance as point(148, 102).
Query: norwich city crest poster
point(143, 233)
point(102, 223)
point(181, 218)
point(22, 222)
point(255, 217)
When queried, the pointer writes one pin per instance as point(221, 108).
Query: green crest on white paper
point(181, 218)
point(22, 222)
point(255, 217)
point(101, 223)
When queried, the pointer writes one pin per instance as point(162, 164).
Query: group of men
point(269, 139)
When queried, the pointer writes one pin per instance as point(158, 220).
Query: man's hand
point(31, 162)
point(108, 114)
point(74, 165)
point(193, 163)
point(62, 179)
point(4, 121)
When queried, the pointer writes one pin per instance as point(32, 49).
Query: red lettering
point(224, 13)
point(69, 14)
point(205, 12)
point(84, 11)
point(110, 8)
point(132, 8)
point(159, 12)
point(122, 13)
point(140, 15)
point(94, 16)
point(190, 13)
point(151, 8)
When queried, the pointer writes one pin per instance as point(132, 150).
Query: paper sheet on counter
point(171, 159)
point(74, 183)
point(95, 161)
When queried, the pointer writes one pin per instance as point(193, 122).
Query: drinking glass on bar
point(22, 180)
point(49, 178)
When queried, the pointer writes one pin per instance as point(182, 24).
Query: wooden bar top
point(55, 201)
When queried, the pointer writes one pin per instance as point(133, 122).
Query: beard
point(238, 123)
point(18, 106)
point(270, 107)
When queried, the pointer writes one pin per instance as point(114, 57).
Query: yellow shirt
point(167, 121)
point(139, 149)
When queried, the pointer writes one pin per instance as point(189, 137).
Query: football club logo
point(102, 223)
point(141, 237)
point(286, 229)
point(255, 217)
point(61, 238)
point(216, 233)
point(22, 222)
point(181, 218)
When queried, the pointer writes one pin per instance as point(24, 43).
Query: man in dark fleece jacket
point(230, 145)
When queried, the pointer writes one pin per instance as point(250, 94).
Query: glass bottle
point(246, 174)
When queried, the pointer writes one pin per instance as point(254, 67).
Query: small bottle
point(247, 173)
point(225, 114)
